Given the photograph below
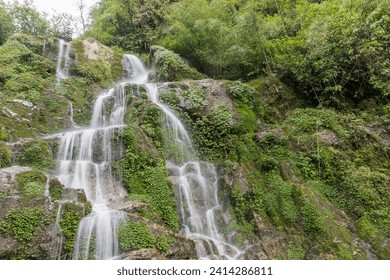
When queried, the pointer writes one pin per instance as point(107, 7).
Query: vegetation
point(32, 183)
point(135, 235)
point(69, 223)
point(23, 223)
point(5, 155)
point(298, 128)
point(146, 178)
point(36, 154)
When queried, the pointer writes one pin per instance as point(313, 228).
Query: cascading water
point(85, 157)
point(63, 60)
point(197, 187)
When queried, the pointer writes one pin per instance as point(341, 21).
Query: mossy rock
point(171, 67)
point(32, 183)
point(136, 235)
point(144, 173)
point(34, 43)
point(77, 91)
point(5, 155)
point(36, 153)
point(55, 189)
point(23, 223)
point(97, 62)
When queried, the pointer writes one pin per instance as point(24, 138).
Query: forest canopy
point(334, 52)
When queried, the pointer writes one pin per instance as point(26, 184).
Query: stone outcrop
point(29, 224)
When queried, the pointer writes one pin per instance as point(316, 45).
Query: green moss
point(195, 99)
point(5, 155)
point(170, 67)
point(55, 189)
point(32, 183)
point(147, 176)
point(37, 154)
point(23, 223)
point(162, 242)
point(311, 221)
point(170, 98)
point(77, 91)
point(135, 235)
point(69, 223)
point(247, 121)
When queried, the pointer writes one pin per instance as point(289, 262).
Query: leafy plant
point(135, 235)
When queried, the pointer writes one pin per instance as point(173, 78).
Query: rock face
point(180, 248)
point(171, 67)
point(29, 222)
point(93, 50)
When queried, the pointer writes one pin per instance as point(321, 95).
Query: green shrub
point(310, 120)
point(147, 176)
point(311, 221)
point(163, 243)
point(32, 183)
point(195, 98)
point(23, 223)
point(170, 98)
point(5, 155)
point(171, 67)
point(211, 131)
point(241, 92)
point(69, 223)
point(37, 154)
point(135, 235)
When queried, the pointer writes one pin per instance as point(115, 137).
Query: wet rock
point(266, 132)
point(328, 137)
point(287, 173)
point(144, 254)
point(272, 241)
point(255, 252)
point(182, 249)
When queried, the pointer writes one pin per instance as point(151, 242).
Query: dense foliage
point(335, 52)
point(300, 134)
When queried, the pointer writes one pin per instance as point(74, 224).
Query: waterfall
point(196, 186)
point(63, 60)
point(85, 157)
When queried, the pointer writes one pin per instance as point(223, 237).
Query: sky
point(68, 6)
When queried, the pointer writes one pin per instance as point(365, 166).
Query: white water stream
point(85, 157)
point(196, 184)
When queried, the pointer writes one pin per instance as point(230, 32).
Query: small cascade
point(197, 187)
point(85, 157)
point(63, 60)
point(71, 120)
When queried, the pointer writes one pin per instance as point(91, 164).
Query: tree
point(82, 15)
point(130, 24)
point(62, 26)
point(26, 19)
point(6, 25)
